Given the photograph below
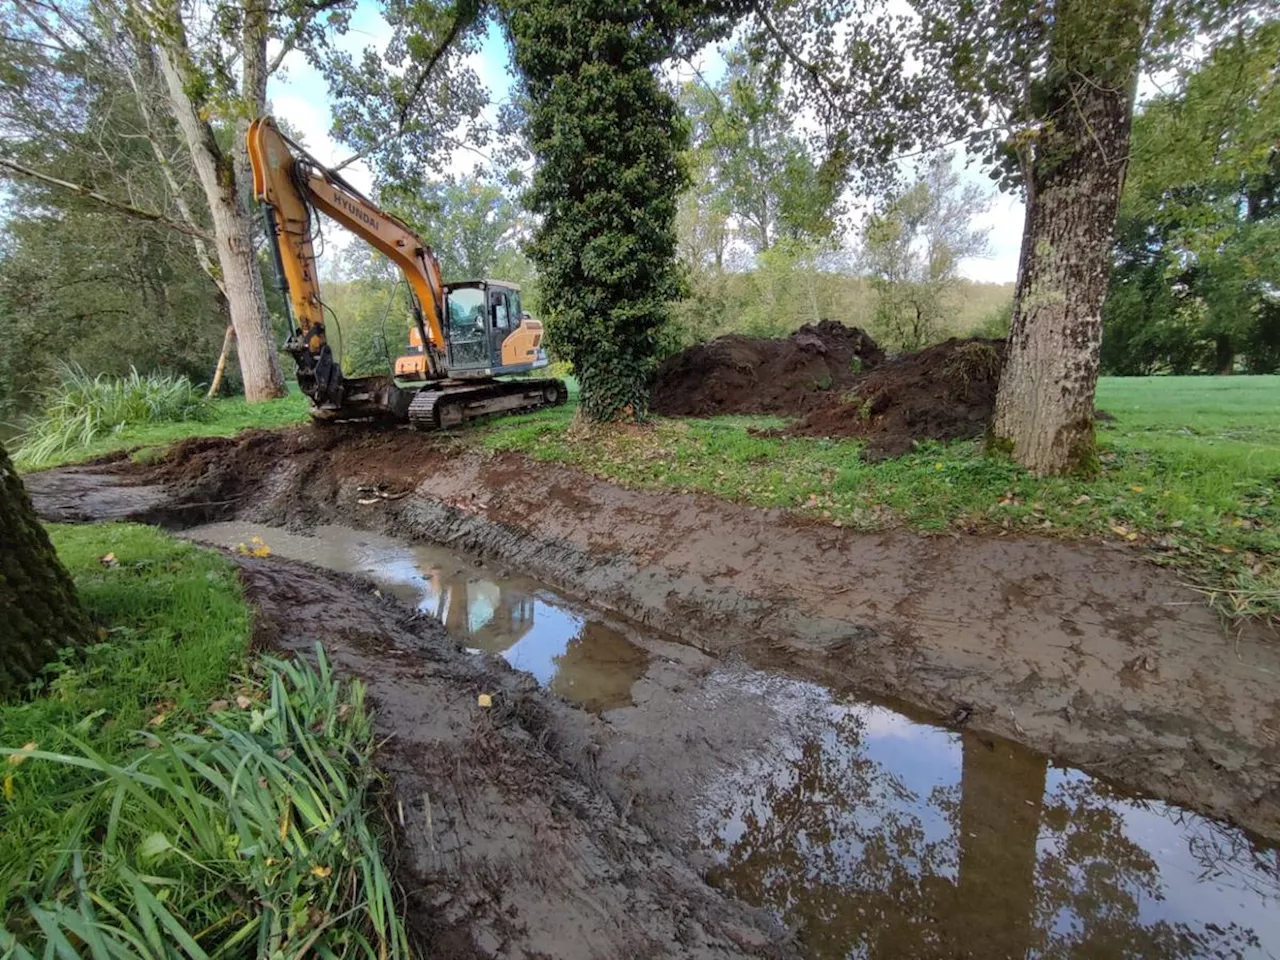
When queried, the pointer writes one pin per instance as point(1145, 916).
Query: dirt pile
point(737, 374)
point(945, 392)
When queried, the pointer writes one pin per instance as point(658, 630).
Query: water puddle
point(866, 832)
point(875, 836)
point(578, 657)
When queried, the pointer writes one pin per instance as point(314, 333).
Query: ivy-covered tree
point(39, 611)
point(608, 140)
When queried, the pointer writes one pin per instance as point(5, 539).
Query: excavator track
point(450, 404)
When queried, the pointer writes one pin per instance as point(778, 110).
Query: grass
point(173, 628)
point(82, 409)
point(1190, 469)
point(219, 418)
point(174, 799)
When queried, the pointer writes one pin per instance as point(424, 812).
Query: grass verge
point(1190, 474)
point(163, 797)
point(217, 418)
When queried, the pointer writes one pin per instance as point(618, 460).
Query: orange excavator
point(466, 337)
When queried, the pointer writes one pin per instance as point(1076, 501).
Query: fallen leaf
point(1137, 488)
point(158, 720)
point(1081, 500)
point(21, 755)
point(8, 785)
point(1119, 531)
point(218, 706)
point(109, 560)
point(243, 702)
point(1226, 549)
point(321, 872)
point(484, 700)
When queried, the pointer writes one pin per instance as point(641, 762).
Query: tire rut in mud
point(508, 845)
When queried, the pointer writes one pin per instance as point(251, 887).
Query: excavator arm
point(292, 185)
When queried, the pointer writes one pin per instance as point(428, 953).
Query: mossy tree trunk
point(39, 610)
point(1074, 173)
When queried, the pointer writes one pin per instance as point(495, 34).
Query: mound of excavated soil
point(736, 374)
point(945, 392)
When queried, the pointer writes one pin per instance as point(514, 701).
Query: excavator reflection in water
point(582, 660)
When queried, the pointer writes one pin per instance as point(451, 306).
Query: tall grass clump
point(251, 838)
point(81, 409)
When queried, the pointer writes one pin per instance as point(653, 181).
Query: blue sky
point(299, 95)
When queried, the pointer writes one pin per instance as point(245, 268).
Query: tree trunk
point(216, 383)
point(39, 611)
point(259, 363)
point(1224, 354)
point(1074, 176)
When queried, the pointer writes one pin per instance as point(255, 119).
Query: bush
point(250, 838)
point(81, 409)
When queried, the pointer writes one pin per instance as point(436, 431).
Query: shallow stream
point(868, 832)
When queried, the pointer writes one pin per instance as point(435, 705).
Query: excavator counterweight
point(465, 339)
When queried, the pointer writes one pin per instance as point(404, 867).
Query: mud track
point(1082, 651)
point(509, 845)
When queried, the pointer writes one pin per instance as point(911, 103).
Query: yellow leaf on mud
point(321, 872)
point(21, 755)
point(1131, 536)
point(1226, 549)
point(1120, 531)
point(484, 700)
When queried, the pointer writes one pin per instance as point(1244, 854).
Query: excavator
point(465, 336)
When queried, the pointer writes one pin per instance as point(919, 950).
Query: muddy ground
point(944, 392)
point(510, 845)
point(1081, 651)
point(788, 376)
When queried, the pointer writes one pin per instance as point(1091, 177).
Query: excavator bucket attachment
point(367, 398)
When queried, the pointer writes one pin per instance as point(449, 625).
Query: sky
point(299, 96)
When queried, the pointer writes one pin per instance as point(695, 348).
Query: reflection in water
point(580, 659)
point(874, 836)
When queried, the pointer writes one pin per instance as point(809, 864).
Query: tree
point(1044, 92)
point(608, 140)
point(39, 611)
point(757, 168)
point(467, 220)
point(912, 248)
point(1198, 237)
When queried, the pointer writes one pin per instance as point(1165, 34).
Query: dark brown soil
point(1037, 636)
point(509, 845)
point(945, 392)
point(736, 374)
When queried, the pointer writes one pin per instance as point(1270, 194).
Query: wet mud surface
point(748, 754)
point(842, 827)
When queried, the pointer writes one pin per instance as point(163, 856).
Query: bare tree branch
point(460, 22)
point(125, 208)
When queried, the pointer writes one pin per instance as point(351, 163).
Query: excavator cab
point(487, 334)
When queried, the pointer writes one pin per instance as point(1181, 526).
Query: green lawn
point(173, 628)
point(226, 418)
point(1189, 472)
point(161, 794)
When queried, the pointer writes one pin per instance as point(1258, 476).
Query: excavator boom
point(464, 335)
